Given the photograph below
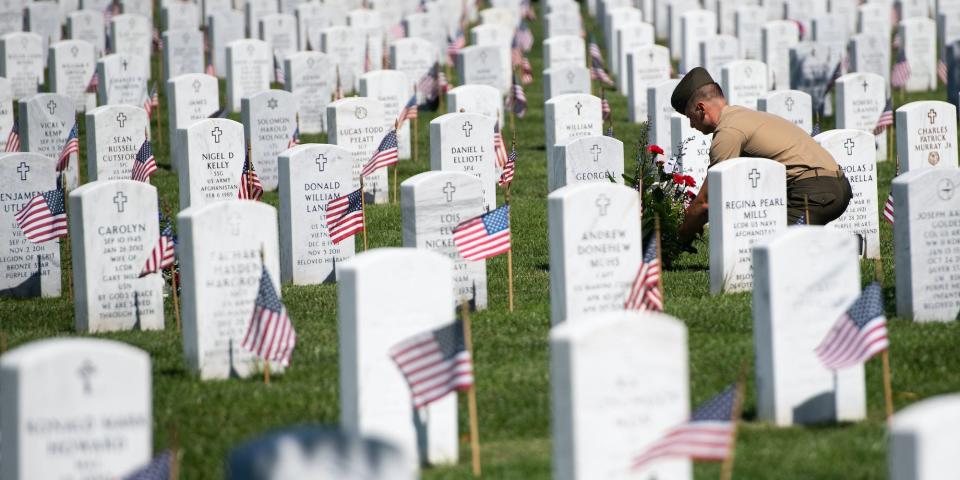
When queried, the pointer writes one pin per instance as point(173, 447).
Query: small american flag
point(148, 104)
point(144, 164)
point(816, 129)
point(93, 83)
point(901, 71)
point(645, 290)
point(220, 113)
point(886, 118)
point(802, 220)
point(409, 110)
point(162, 255)
point(345, 216)
point(526, 71)
point(295, 138)
point(506, 176)
point(158, 468)
point(518, 99)
point(211, 70)
point(44, 217)
point(157, 41)
point(605, 110)
point(427, 86)
point(837, 72)
point(499, 148)
point(270, 334)
point(455, 44)
point(524, 37)
point(596, 56)
point(708, 435)
point(385, 156)
point(888, 209)
point(13, 139)
point(250, 186)
point(434, 363)
point(485, 236)
point(278, 74)
point(70, 146)
point(442, 84)
point(942, 70)
point(860, 333)
point(597, 72)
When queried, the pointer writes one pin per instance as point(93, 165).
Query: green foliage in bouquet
point(665, 194)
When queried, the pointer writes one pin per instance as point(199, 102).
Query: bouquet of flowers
point(666, 192)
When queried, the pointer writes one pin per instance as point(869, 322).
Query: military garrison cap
point(690, 82)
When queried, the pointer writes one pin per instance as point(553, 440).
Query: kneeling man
point(813, 177)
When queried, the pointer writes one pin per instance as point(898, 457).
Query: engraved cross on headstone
point(849, 144)
point(85, 371)
point(467, 127)
point(789, 103)
point(321, 161)
point(120, 200)
point(596, 150)
point(932, 115)
point(448, 190)
point(215, 133)
point(754, 177)
point(578, 106)
point(865, 86)
point(602, 203)
point(234, 221)
point(124, 65)
point(121, 119)
point(52, 106)
point(22, 169)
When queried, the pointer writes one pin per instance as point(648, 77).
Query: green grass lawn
point(511, 349)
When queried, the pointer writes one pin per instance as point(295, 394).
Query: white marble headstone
point(695, 27)
point(748, 199)
point(72, 64)
point(743, 82)
point(563, 80)
point(567, 50)
point(269, 120)
point(792, 105)
point(357, 124)
point(22, 62)
point(777, 38)
point(482, 99)
point(659, 113)
point(249, 70)
point(190, 97)
point(346, 46)
point(223, 27)
point(482, 65)
point(584, 160)
point(220, 248)
point(692, 148)
point(182, 52)
point(45, 122)
point(463, 142)
point(394, 90)
point(926, 135)
point(861, 98)
point(88, 25)
point(570, 116)
point(645, 66)
point(922, 437)
point(595, 248)
point(122, 79)
point(311, 78)
point(919, 40)
point(869, 53)
point(114, 136)
point(211, 161)
point(853, 151)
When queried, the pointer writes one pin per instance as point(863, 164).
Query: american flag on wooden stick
point(455, 44)
point(250, 186)
point(596, 56)
point(278, 75)
point(499, 147)
point(93, 83)
point(645, 290)
point(506, 175)
point(408, 111)
point(526, 71)
point(518, 99)
point(387, 154)
point(485, 236)
point(523, 38)
point(859, 334)
point(70, 146)
point(44, 217)
point(162, 255)
point(434, 363)
point(708, 435)
point(888, 209)
point(427, 86)
point(345, 216)
point(13, 139)
point(295, 138)
point(901, 71)
point(144, 164)
point(597, 72)
point(148, 103)
point(270, 334)
point(886, 118)
point(605, 111)
point(942, 70)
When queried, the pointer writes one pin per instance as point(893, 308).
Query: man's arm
point(695, 218)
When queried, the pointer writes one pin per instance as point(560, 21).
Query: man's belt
point(818, 172)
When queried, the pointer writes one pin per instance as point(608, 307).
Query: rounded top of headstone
point(126, 184)
point(858, 77)
point(572, 97)
point(397, 259)
point(116, 108)
point(225, 207)
point(920, 175)
point(28, 156)
point(317, 452)
point(461, 116)
point(841, 134)
point(384, 75)
point(590, 189)
point(189, 78)
point(310, 151)
point(474, 89)
point(424, 179)
point(942, 411)
point(747, 162)
point(927, 104)
point(46, 350)
point(694, 79)
point(811, 241)
point(649, 325)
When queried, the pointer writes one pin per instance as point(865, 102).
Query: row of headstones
point(604, 367)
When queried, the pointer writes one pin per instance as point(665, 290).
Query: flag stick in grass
point(416, 135)
point(656, 231)
point(62, 180)
point(363, 213)
point(396, 127)
point(887, 386)
point(726, 470)
point(266, 363)
point(471, 394)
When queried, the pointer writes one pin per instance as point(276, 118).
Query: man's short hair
point(705, 93)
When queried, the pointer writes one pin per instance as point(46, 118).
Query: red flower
point(689, 181)
point(678, 179)
point(655, 149)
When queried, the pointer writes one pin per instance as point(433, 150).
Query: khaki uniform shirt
point(742, 132)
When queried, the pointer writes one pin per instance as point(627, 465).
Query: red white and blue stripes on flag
point(345, 216)
point(506, 175)
point(886, 118)
point(162, 254)
point(295, 138)
point(888, 209)
point(144, 164)
point(434, 363)
point(250, 186)
point(270, 334)
point(44, 217)
point(708, 435)
point(901, 72)
point(13, 139)
point(499, 147)
point(485, 236)
point(859, 334)
point(518, 99)
point(70, 146)
point(409, 111)
point(387, 154)
point(645, 290)
point(455, 44)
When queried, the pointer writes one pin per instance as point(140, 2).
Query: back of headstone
point(314, 452)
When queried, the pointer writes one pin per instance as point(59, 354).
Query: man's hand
point(696, 217)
